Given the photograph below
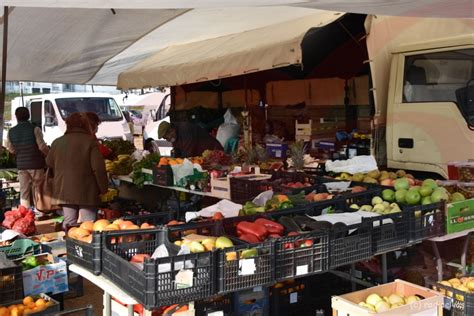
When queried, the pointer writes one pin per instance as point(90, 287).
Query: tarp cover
point(227, 56)
point(84, 41)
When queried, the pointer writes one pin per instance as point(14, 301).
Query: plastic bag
point(362, 164)
point(230, 128)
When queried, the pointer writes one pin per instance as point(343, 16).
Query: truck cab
point(50, 111)
point(430, 105)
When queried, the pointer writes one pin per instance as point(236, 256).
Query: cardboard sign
point(49, 278)
point(460, 216)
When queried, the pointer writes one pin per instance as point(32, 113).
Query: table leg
point(107, 304)
point(384, 268)
point(464, 253)
point(439, 262)
point(353, 284)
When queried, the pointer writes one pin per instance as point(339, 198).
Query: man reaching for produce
point(188, 139)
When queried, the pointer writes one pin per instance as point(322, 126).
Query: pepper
point(251, 239)
point(285, 205)
point(271, 226)
point(251, 228)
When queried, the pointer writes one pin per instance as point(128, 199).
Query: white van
point(49, 112)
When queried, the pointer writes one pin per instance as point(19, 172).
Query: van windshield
point(105, 108)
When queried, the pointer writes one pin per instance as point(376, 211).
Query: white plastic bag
point(362, 164)
point(230, 128)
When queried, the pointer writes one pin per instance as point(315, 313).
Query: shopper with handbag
point(79, 170)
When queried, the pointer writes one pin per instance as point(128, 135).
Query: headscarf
point(87, 121)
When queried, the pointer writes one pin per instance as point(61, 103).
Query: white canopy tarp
point(419, 8)
point(84, 41)
point(227, 56)
point(93, 46)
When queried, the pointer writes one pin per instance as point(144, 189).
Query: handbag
point(43, 194)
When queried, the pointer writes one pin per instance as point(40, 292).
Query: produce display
point(85, 230)
point(21, 220)
point(380, 205)
point(29, 306)
point(376, 177)
point(119, 147)
point(463, 284)
point(122, 165)
point(7, 160)
point(197, 243)
point(147, 162)
point(428, 192)
point(379, 304)
point(215, 159)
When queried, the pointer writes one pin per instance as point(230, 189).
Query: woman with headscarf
point(79, 170)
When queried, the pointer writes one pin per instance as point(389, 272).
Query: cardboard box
point(54, 243)
point(460, 216)
point(48, 278)
point(431, 305)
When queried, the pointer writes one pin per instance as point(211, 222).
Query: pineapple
point(297, 151)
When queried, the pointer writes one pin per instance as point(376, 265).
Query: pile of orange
point(164, 161)
point(29, 306)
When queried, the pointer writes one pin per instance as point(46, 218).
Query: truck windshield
point(105, 108)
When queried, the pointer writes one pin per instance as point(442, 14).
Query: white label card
point(184, 279)
point(293, 297)
point(300, 270)
point(247, 267)
point(218, 313)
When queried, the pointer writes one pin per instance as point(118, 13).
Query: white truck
point(423, 87)
point(49, 112)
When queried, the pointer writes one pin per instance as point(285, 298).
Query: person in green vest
point(26, 142)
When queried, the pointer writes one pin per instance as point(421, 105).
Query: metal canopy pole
point(4, 70)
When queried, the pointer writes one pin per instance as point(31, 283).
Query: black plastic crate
point(280, 178)
point(155, 285)
point(302, 255)
point(163, 175)
point(293, 297)
point(460, 303)
point(246, 188)
point(235, 273)
point(156, 218)
point(11, 284)
point(218, 305)
point(86, 255)
point(426, 221)
point(350, 244)
point(389, 231)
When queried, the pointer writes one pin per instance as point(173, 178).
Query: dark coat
point(79, 169)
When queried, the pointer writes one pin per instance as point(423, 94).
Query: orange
point(40, 302)
point(4, 311)
point(27, 300)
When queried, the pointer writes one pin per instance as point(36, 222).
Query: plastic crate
point(86, 255)
point(11, 284)
point(389, 231)
point(50, 310)
point(426, 221)
point(9, 198)
point(280, 178)
point(350, 244)
point(20, 248)
point(245, 188)
point(155, 285)
point(157, 218)
point(460, 303)
point(163, 175)
point(293, 260)
point(238, 274)
point(219, 305)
